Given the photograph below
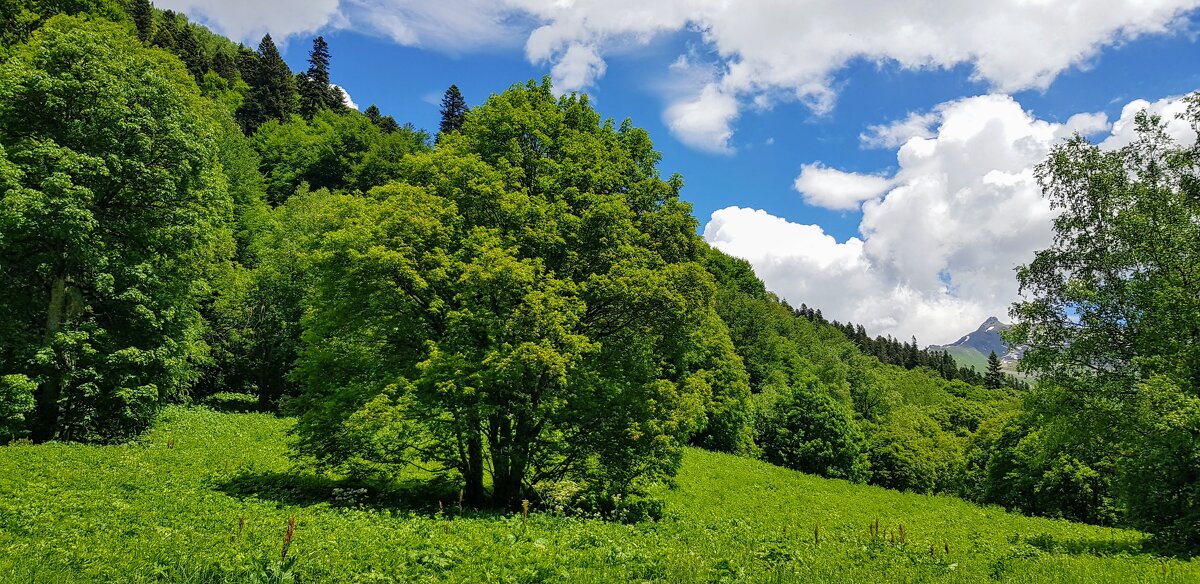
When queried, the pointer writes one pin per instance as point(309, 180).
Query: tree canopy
point(113, 214)
point(1112, 316)
point(529, 302)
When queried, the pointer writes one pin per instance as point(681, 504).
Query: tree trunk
point(506, 483)
point(511, 444)
point(47, 410)
point(473, 473)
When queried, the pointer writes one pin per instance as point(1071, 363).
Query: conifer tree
point(223, 65)
point(247, 63)
point(454, 110)
point(143, 16)
point(316, 92)
point(994, 379)
point(166, 31)
point(372, 112)
point(272, 89)
point(190, 52)
point(312, 85)
point(386, 123)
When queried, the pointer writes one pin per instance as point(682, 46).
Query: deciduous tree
point(1112, 314)
point(112, 215)
point(528, 307)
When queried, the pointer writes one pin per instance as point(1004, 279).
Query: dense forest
point(519, 302)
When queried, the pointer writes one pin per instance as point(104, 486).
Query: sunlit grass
point(206, 497)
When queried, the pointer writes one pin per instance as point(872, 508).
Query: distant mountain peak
point(987, 339)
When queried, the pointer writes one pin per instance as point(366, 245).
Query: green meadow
point(206, 496)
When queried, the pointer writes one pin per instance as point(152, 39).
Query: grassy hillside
point(205, 497)
point(968, 357)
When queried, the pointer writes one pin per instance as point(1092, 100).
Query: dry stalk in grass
point(287, 537)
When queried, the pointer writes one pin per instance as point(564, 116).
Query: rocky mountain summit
point(984, 340)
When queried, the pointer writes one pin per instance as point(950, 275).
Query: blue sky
point(916, 231)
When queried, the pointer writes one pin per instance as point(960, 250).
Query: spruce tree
point(143, 17)
point(272, 89)
point(994, 378)
point(454, 110)
point(247, 64)
point(313, 84)
point(223, 65)
point(372, 112)
point(166, 31)
point(386, 123)
point(316, 92)
point(190, 52)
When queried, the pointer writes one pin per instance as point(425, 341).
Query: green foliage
point(1111, 314)
point(21, 17)
point(994, 378)
point(16, 401)
point(142, 14)
point(454, 111)
point(528, 302)
point(1022, 463)
point(114, 216)
point(272, 93)
point(386, 123)
point(805, 430)
point(1158, 480)
point(316, 93)
point(332, 151)
point(909, 451)
point(205, 498)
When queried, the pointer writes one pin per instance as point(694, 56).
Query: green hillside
point(968, 357)
point(171, 507)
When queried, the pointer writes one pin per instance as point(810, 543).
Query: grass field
point(206, 496)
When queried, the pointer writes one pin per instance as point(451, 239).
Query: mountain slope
point(973, 348)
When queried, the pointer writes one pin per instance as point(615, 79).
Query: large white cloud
point(764, 49)
point(936, 252)
point(248, 20)
point(775, 48)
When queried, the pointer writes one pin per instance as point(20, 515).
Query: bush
point(16, 400)
point(910, 452)
point(805, 430)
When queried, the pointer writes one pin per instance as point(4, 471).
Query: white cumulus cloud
point(577, 68)
point(247, 21)
point(766, 49)
point(704, 121)
point(936, 252)
point(892, 135)
point(836, 189)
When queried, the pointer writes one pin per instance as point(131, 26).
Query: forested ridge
point(518, 303)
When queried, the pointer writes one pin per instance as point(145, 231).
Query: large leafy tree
point(1112, 315)
point(527, 307)
point(332, 151)
point(21, 17)
point(112, 212)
